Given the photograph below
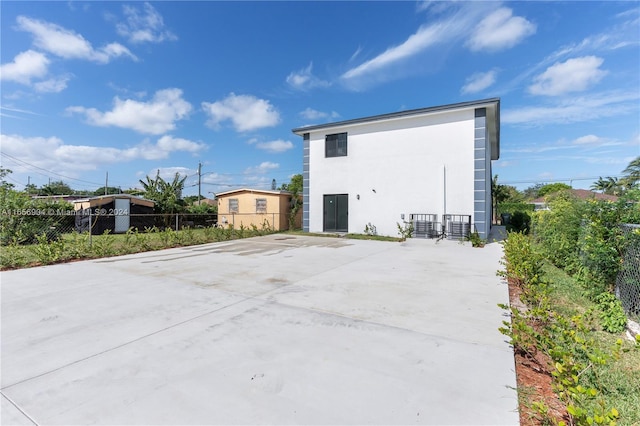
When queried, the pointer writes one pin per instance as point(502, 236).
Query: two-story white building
point(430, 166)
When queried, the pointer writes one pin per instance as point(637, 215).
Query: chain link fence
point(33, 237)
point(28, 226)
point(31, 226)
point(628, 279)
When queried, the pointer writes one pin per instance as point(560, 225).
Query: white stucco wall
point(404, 161)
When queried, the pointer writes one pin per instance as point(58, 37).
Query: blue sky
point(130, 88)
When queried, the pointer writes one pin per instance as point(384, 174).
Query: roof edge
point(259, 191)
point(478, 103)
point(100, 197)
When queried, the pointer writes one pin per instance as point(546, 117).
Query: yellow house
point(247, 207)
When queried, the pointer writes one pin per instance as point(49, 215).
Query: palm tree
point(167, 195)
point(615, 186)
point(600, 185)
point(609, 185)
point(150, 188)
point(499, 193)
point(171, 193)
point(632, 173)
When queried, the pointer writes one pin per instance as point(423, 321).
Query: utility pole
point(199, 181)
point(106, 184)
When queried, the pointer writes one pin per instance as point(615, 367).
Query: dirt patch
point(533, 378)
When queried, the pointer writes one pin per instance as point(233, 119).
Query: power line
point(593, 178)
point(47, 171)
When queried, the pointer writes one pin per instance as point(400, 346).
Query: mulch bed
point(534, 380)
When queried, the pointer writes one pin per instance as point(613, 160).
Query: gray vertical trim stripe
point(305, 182)
point(479, 197)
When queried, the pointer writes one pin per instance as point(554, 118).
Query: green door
point(336, 213)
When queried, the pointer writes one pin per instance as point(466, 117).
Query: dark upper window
point(335, 145)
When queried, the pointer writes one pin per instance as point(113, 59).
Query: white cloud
point(264, 167)
point(479, 81)
point(587, 140)
point(168, 173)
point(574, 110)
point(17, 110)
point(448, 29)
point(621, 35)
point(503, 163)
point(355, 54)
point(144, 25)
point(312, 114)
point(52, 85)
point(434, 6)
point(168, 143)
point(154, 117)
point(214, 178)
point(275, 146)
point(246, 112)
point(304, 79)
point(425, 36)
point(500, 30)
point(53, 154)
point(25, 67)
point(67, 44)
point(573, 75)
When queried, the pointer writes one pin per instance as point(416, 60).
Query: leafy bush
point(476, 240)
point(558, 229)
point(520, 222)
point(23, 219)
point(511, 208)
point(522, 263)
point(567, 341)
point(405, 231)
point(612, 315)
point(48, 251)
point(370, 229)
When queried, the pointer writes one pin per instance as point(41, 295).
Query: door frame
point(341, 200)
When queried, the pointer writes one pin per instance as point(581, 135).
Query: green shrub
point(511, 208)
point(405, 231)
point(103, 245)
point(48, 251)
point(522, 263)
point(557, 230)
point(520, 222)
point(476, 240)
point(566, 340)
point(23, 219)
point(612, 316)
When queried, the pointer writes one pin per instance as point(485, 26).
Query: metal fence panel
point(27, 227)
point(628, 279)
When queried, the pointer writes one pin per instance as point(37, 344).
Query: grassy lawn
point(619, 379)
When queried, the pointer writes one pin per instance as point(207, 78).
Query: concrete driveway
point(271, 330)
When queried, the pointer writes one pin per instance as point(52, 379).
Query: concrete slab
point(271, 330)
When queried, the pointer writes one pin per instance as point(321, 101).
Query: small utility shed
point(116, 213)
point(257, 207)
point(430, 163)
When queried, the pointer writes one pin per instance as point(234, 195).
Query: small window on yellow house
point(233, 205)
point(261, 205)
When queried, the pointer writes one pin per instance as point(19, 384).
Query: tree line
point(167, 193)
